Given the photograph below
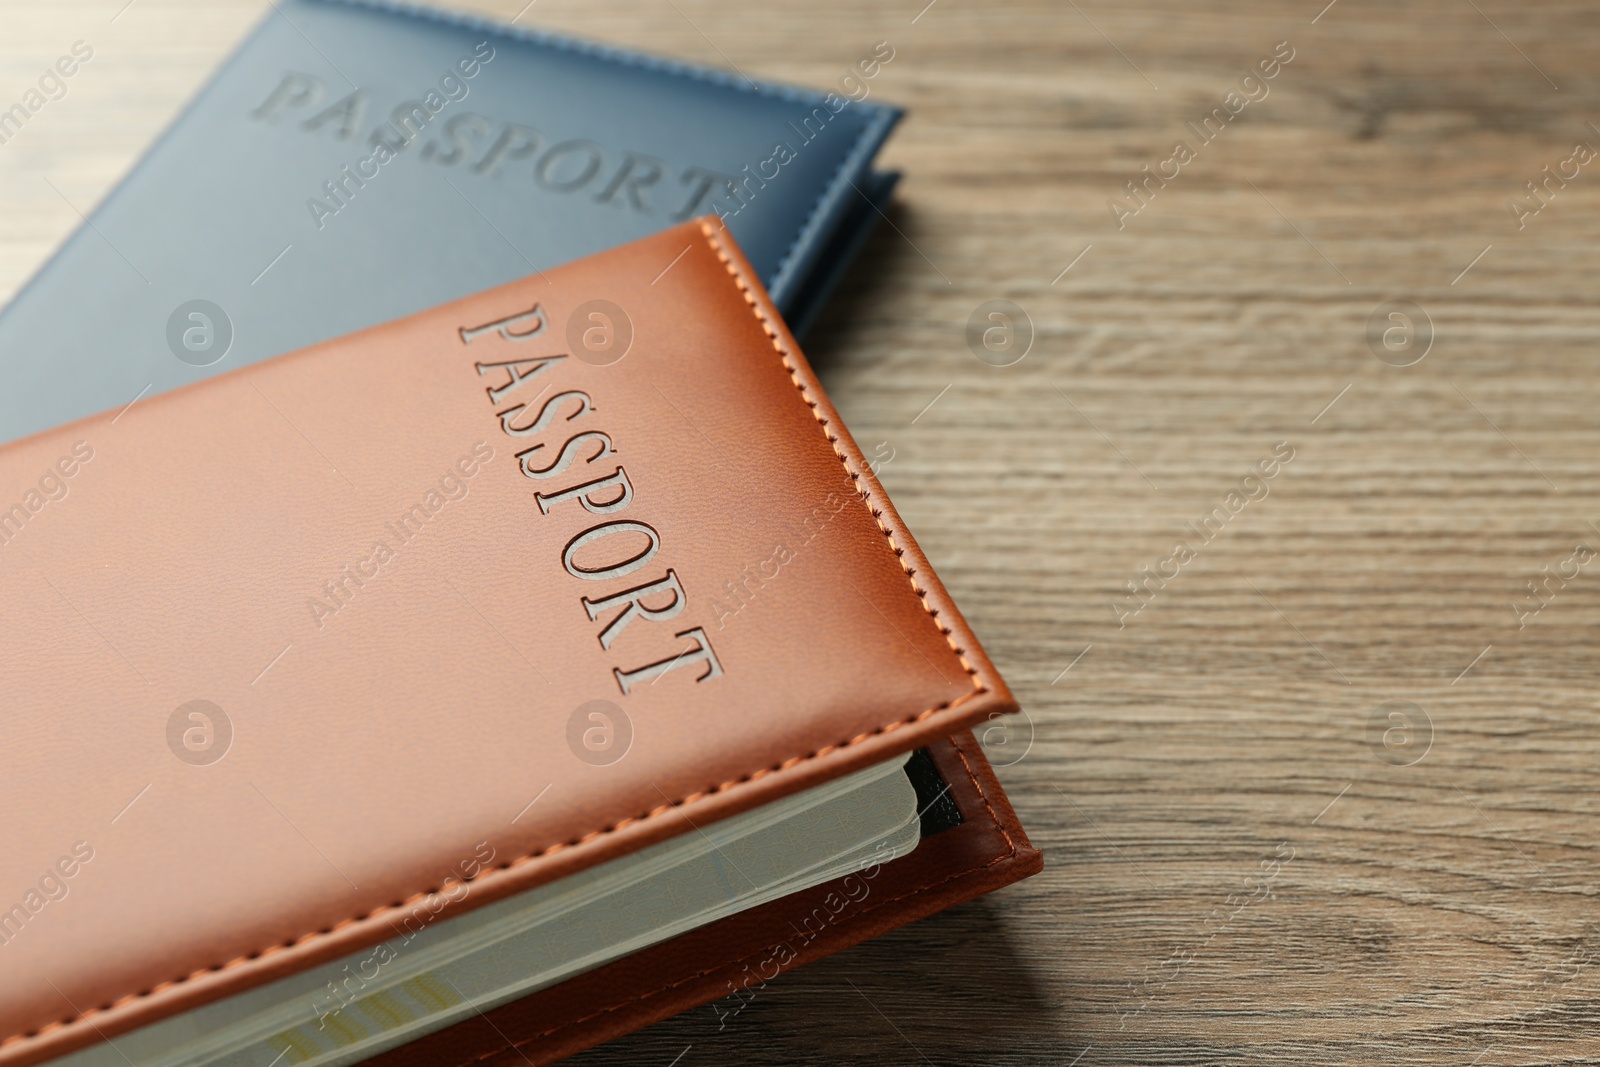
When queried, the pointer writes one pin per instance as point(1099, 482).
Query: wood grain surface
point(1329, 796)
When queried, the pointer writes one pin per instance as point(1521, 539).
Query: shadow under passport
point(884, 257)
point(950, 988)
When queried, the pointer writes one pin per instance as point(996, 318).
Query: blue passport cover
point(358, 161)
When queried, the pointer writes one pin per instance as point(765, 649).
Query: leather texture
point(388, 710)
point(724, 966)
point(551, 150)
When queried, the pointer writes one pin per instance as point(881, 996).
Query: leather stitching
point(983, 795)
point(728, 964)
point(376, 913)
point(833, 440)
point(731, 963)
point(866, 143)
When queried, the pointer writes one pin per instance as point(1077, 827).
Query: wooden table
point(1328, 796)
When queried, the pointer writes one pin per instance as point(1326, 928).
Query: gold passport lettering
point(607, 550)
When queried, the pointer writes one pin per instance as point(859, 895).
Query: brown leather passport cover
point(725, 965)
point(392, 575)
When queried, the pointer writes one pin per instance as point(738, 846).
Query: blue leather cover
point(270, 198)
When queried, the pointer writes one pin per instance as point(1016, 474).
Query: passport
point(332, 675)
point(354, 162)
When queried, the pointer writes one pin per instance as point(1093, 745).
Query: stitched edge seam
point(867, 140)
point(723, 966)
point(922, 596)
point(983, 795)
point(917, 891)
point(520, 861)
point(844, 460)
